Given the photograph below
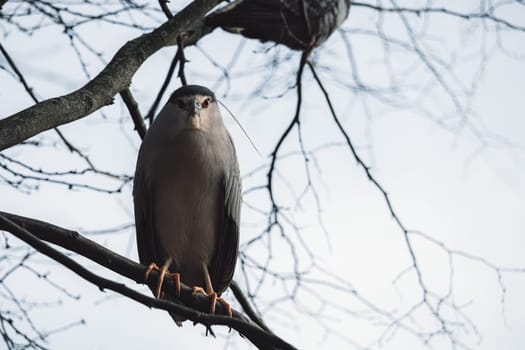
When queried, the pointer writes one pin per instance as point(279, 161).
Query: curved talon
point(163, 271)
point(214, 298)
point(226, 305)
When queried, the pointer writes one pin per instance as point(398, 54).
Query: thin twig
point(164, 6)
point(163, 88)
point(100, 91)
point(245, 304)
point(287, 131)
point(134, 111)
point(441, 10)
point(182, 61)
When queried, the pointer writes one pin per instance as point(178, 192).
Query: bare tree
point(423, 67)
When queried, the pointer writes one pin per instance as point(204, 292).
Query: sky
point(464, 190)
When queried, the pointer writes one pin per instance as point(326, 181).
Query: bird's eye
point(205, 103)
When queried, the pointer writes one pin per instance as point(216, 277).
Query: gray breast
point(183, 181)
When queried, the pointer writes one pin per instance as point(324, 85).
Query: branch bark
point(134, 112)
point(35, 232)
point(100, 91)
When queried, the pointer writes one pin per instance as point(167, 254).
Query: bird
point(187, 196)
point(282, 21)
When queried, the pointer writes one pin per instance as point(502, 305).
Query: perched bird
point(298, 24)
point(187, 195)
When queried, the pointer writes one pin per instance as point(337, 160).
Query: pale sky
point(446, 184)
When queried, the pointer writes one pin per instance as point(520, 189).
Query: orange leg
point(163, 271)
point(214, 298)
point(209, 292)
point(176, 276)
point(150, 268)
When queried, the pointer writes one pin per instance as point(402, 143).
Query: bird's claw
point(150, 268)
point(197, 290)
point(162, 274)
point(176, 277)
point(214, 298)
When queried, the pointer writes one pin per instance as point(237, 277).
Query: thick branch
point(115, 77)
point(34, 232)
point(75, 242)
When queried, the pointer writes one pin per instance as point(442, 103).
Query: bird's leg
point(214, 298)
point(197, 290)
point(163, 271)
point(209, 292)
point(175, 276)
point(150, 268)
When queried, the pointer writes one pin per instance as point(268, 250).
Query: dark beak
point(195, 107)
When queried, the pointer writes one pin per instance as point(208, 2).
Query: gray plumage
point(283, 21)
point(187, 192)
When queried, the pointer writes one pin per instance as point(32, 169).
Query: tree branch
point(134, 111)
point(169, 75)
point(114, 78)
point(245, 304)
point(418, 11)
point(34, 232)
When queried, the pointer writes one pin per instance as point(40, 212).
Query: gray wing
point(223, 263)
point(147, 244)
point(260, 19)
point(280, 21)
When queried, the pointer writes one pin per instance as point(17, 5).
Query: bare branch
point(134, 111)
point(418, 11)
point(23, 228)
point(169, 75)
point(241, 298)
point(295, 121)
point(115, 77)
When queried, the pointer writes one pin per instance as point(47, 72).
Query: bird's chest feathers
point(191, 156)
point(187, 195)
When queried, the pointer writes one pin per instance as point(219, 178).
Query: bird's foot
point(150, 268)
point(197, 290)
point(176, 277)
point(163, 271)
point(214, 298)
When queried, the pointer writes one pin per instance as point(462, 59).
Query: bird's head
point(195, 107)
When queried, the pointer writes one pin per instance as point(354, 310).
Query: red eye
point(206, 103)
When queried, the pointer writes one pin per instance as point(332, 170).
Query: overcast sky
point(465, 190)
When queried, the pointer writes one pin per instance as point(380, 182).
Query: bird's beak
point(195, 107)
